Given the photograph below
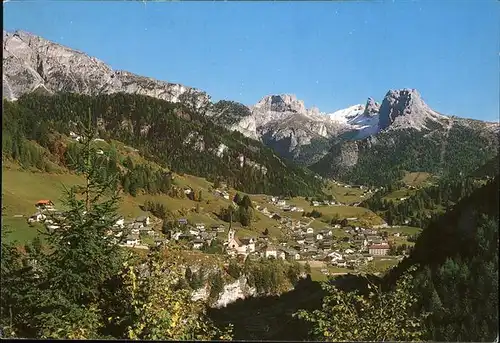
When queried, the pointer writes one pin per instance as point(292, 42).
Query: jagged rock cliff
point(31, 63)
point(405, 109)
point(238, 289)
point(282, 122)
point(410, 136)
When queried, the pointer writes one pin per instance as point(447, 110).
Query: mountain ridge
point(307, 136)
point(32, 62)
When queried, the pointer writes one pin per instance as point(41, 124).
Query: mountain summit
point(32, 63)
point(405, 109)
point(281, 121)
point(281, 103)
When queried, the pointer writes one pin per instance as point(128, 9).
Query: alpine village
point(138, 209)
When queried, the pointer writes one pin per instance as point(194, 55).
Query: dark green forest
point(169, 134)
point(384, 159)
point(229, 112)
point(457, 276)
point(421, 207)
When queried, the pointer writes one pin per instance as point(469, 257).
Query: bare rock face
point(372, 108)
point(281, 103)
point(31, 63)
point(284, 123)
point(405, 109)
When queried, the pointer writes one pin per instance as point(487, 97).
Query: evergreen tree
point(237, 198)
point(246, 202)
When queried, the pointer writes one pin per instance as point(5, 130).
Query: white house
point(328, 233)
point(293, 254)
point(197, 244)
point(144, 220)
point(319, 236)
point(301, 241)
point(335, 256)
point(281, 203)
point(316, 203)
point(310, 230)
point(281, 254)
point(176, 235)
point(75, 136)
point(341, 263)
point(194, 232)
point(45, 205)
point(120, 223)
point(249, 243)
point(378, 249)
point(37, 217)
point(269, 251)
point(336, 226)
point(132, 240)
point(349, 251)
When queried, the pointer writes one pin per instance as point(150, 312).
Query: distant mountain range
point(357, 144)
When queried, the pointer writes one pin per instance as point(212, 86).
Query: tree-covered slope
point(450, 234)
point(492, 167)
point(170, 134)
point(459, 146)
point(419, 207)
point(457, 276)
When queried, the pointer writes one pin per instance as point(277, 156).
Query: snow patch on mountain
point(347, 114)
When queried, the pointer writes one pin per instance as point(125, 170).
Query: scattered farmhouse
point(44, 205)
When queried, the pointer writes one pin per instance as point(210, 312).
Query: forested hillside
point(457, 255)
point(446, 290)
point(171, 135)
point(423, 205)
point(383, 159)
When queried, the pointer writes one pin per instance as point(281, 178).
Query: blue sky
point(330, 54)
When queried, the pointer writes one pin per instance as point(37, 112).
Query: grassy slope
point(344, 195)
point(417, 179)
point(21, 189)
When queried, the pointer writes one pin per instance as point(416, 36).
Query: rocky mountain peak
point(404, 108)
point(281, 103)
point(371, 108)
point(32, 63)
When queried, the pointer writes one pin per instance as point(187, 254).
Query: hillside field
point(21, 189)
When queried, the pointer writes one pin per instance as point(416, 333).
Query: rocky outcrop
point(372, 108)
point(405, 109)
point(285, 124)
point(31, 63)
point(238, 289)
point(282, 122)
point(281, 103)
